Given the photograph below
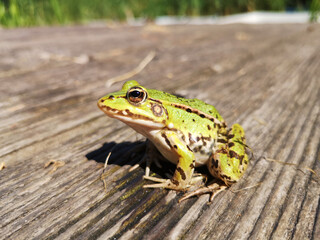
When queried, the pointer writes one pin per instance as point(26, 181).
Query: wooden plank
point(266, 77)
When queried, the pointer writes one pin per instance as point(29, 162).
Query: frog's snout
point(100, 102)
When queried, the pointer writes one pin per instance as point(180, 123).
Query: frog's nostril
point(101, 100)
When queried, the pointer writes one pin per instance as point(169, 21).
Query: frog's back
point(167, 98)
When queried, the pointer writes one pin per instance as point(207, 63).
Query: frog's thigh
point(237, 150)
point(229, 160)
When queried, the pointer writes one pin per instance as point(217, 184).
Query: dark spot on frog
point(189, 110)
point(191, 165)
point(166, 139)
point(221, 140)
point(230, 144)
point(193, 120)
point(233, 154)
point(183, 175)
point(208, 126)
point(202, 115)
point(215, 163)
point(197, 149)
point(231, 136)
point(222, 150)
point(175, 182)
point(189, 148)
point(226, 177)
point(206, 138)
point(241, 159)
point(101, 100)
point(175, 146)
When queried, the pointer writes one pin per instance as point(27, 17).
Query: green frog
point(187, 132)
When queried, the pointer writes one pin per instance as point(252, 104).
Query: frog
point(187, 132)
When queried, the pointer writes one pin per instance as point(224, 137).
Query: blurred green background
point(20, 13)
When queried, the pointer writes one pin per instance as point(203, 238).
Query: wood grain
point(266, 77)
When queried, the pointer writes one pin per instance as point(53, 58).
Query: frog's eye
point(136, 95)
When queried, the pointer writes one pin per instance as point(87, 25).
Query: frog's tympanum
point(187, 132)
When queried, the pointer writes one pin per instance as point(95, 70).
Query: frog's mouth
point(136, 121)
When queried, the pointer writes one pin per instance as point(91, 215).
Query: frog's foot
point(213, 189)
point(161, 183)
point(171, 184)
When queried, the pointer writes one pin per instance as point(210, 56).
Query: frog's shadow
point(125, 151)
point(128, 153)
point(131, 153)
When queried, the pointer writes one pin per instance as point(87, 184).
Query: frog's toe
point(163, 183)
point(213, 189)
point(155, 179)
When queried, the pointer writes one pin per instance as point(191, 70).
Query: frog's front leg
point(182, 178)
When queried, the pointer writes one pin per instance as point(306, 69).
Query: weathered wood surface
point(266, 77)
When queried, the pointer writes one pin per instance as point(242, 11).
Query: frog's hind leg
point(229, 160)
point(227, 163)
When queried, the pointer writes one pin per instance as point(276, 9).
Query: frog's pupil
point(136, 94)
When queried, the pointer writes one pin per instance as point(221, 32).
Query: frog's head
point(133, 106)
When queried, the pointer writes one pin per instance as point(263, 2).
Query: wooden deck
point(266, 77)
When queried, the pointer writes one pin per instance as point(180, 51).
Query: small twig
point(107, 160)
point(295, 165)
point(260, 121)
point(104, 169)
point(55, 163)
point(284, 163)
point(241, 189)
point(133, 72)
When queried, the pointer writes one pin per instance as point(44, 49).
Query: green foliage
point(314, 10)
point(15, 13)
